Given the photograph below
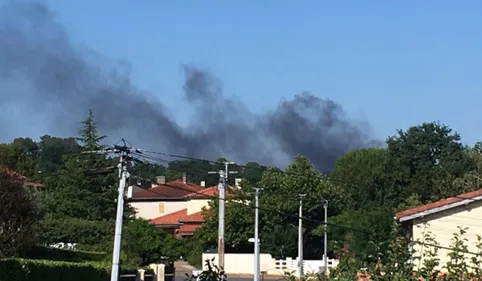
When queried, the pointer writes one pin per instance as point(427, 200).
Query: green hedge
point(45, 270)
point(46, 253)
point(42, 270)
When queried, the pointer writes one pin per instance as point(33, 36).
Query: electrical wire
point(156, 160)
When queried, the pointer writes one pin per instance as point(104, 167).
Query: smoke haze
point(52, 81)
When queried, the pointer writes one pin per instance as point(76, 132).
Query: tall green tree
point(239, 227)
point(90, 139)
point(472, 179)
point(281, 201)
point(361, 174)
point(426, 159)
point(20, 156)
point(71, 195)
point(51, 151)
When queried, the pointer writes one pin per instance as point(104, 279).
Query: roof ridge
point(19, 176)
point(444, 202)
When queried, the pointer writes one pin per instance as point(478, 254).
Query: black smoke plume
point(52, 83)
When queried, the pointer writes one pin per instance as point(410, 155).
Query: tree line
point(421, 164)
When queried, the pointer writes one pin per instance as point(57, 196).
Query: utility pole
point(256, 235)
point(300, 237)
point(124, 161)
point(222, 186)
point(325, 238)
point(124, 164)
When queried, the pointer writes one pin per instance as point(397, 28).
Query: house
point(174, 206)
point(26, 181)
point(184, 222)
point(441, 220)
point(162, 198)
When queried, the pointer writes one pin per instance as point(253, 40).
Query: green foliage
point(280, 241)
point(54, 229)
point(239, 226)
point(421, 164)
point(90, 139)
point(47, 253)
point(50, 154)
point(347, 269)
point(427, 159)
point(457, 265)
point(361, 174)
point(370, 223)
point(279, 198)
point(19, 213)
point(429, 263)
point(143, 244)
point(212, 273)
point(39, 270)
point(20, 156)
point(398, 261)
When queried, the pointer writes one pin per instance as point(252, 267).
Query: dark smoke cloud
point(43, 71)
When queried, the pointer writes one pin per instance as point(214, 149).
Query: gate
point(169, 271)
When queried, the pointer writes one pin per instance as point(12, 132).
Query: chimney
point(237, 183)
point(130, 191)
point(203, 183)
point(161, 180)
point(184, 177)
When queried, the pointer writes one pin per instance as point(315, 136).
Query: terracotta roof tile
point(178, 217)
point(207, 193)
point(172, 218)
point(20, 177)
point(174, 189)
point(188, 229)
point(438, 204)
point(196, 217)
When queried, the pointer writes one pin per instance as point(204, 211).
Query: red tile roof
point(207, 193)
point(20, 177)
point(188, 229)
point(174, 189)
point(444, 202)
point(178, 218)
point(187, 223)
point(172, 218)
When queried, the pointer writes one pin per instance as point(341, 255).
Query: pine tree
point(89, 138)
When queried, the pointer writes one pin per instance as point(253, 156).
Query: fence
point(244, 264)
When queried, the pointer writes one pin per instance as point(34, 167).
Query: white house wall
point(444, 224)
point(196, 205)
point(151, 210)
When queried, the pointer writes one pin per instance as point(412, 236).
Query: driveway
point(182, 278)
point(183, 267)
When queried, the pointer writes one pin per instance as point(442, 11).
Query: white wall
point(442, 226)
point(150, 210)
point(244, 264)
point(196, 205)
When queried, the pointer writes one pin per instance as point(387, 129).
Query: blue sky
point(392, 63)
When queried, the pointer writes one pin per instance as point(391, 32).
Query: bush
point(212, 273)
point(74, 230)
point(39, 270)
point(18, 215)
point(46, 253)
point(42, 270)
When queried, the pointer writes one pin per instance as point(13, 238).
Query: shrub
point(212, 273)
point(40, 270)
point(18, 215)
point(46, 253)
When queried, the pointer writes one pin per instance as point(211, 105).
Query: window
point(161, 207)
